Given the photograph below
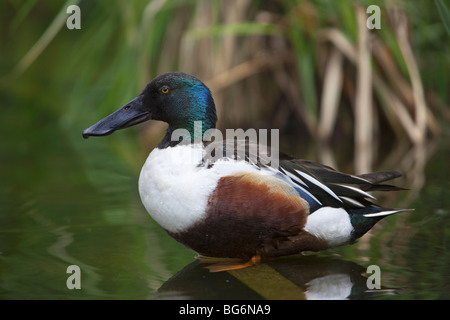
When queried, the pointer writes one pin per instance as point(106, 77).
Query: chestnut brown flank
point(249, 214)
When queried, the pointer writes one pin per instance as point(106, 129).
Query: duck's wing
point(318, 184)
point(323, 186)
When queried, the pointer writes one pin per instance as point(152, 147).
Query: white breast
point(175, 189)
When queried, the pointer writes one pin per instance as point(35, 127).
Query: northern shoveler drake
point(229, 207)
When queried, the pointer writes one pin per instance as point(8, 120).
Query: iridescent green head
point(176, 98)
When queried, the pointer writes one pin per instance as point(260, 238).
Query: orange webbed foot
point(228, 264)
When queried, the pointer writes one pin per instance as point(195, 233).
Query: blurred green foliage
point(81, 74)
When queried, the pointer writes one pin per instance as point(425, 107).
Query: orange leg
point(227, 264)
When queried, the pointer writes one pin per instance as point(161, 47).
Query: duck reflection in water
point(297, 277)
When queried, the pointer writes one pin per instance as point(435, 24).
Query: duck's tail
point(376, 178)
point(385, 212)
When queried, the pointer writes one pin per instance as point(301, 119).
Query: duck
point(232, 209)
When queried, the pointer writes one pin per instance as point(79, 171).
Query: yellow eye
point(164, 90)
